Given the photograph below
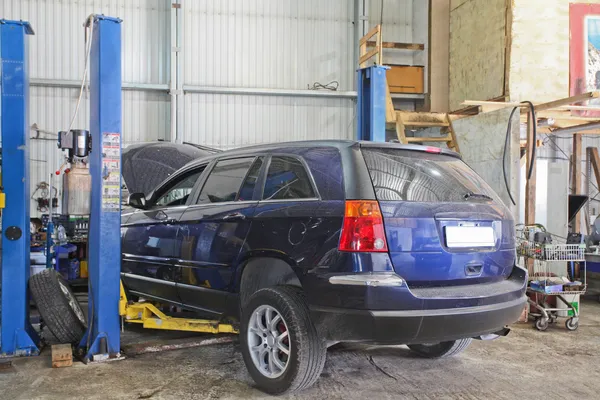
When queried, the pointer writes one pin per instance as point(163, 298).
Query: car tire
point(305, 359)
point(442, 349)
point(57, 306)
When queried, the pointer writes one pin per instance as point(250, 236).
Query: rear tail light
point(363, 227)
point(434, 150)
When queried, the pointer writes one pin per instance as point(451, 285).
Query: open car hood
point(146, 165)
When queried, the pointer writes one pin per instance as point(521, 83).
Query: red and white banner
point(584, 69)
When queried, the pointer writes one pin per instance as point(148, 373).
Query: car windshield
point(405, 175)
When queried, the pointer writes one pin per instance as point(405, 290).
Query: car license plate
point(469, 236)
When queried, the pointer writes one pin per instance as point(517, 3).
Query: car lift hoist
point(149, 316)
point(107, 298)
point(17, 335)
point(371, 87)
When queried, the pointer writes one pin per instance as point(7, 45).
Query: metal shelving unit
point(539, 249)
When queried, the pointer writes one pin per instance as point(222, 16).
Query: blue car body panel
point(196, 260)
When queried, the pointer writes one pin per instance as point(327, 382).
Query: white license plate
point(469, 236)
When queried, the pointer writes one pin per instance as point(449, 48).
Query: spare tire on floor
point(57, 305)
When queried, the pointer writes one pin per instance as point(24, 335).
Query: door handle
point(168, 221)
point(234, 217)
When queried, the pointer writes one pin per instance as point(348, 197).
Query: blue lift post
point(102, 340)
point(18, 337)
point(370, 107)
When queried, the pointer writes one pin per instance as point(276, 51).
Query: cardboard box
point(405, 79)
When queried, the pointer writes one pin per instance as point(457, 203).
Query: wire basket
point(549, 280)
point(527, 246)
point(552, 252)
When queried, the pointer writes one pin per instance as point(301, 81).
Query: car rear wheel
point(442, 349)
point(280, 345)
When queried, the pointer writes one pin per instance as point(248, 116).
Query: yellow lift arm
point(151, 317)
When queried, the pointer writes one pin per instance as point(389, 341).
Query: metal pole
point(173, 83)
point(180, 73)
point(103, 335)
point(370, 108)
point(17, 335)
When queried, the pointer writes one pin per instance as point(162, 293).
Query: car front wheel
point(442, 349)
point(280, 345)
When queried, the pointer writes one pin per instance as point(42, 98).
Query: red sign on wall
point(584, 69)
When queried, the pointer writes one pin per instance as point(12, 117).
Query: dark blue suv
point(307, 244)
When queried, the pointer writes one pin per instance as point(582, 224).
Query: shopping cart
point(540, 250)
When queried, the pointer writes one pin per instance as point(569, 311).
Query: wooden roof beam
point(566, 101)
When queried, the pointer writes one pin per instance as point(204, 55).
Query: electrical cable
point(333, 86)
point(582, 173)
point(88, 43)
point(381, 14)
point(506, 142)
point(89, 24)
point(569, 159)
point(534, 120)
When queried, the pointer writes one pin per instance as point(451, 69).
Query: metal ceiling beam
point(223, 90)
point(269, 92)
point(77, 84)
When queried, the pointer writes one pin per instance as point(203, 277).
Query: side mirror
point(137, 200)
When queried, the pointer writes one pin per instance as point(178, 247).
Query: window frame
point(173, 181)
point(209, 169)
point(311, 180)
point(258, 179)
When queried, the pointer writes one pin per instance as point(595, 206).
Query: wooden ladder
point(403, 119)
point(426, 120)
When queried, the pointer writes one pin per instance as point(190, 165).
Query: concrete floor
point(555, 364)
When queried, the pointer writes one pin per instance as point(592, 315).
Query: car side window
point(225, 180)
point(287, 179)
point(178, 194)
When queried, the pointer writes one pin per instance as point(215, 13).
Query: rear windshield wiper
point(471, 195)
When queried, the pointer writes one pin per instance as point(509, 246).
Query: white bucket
point(565, 310)
point(36, 269)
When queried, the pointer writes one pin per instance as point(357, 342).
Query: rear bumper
point(414, 326)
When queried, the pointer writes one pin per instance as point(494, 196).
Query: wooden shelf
point(397, 46)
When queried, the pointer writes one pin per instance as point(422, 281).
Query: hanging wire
point(333, 86)
point(553, 140)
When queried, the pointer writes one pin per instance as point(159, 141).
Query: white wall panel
point(277, 44)
point(145, 118)
point(397, 26)
point(229, 121)
point(57, 49)
point(284, 44)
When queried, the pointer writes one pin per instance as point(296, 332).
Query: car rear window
point(405, 175)
point(287, 180)
point(225, 180)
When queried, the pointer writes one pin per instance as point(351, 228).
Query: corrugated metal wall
point(56, 55)
point(260, 44)
point(272, 44)
point(57, 49)
point(228, 121)
point(269, 43)
point(396, 26)
point(559, 149)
